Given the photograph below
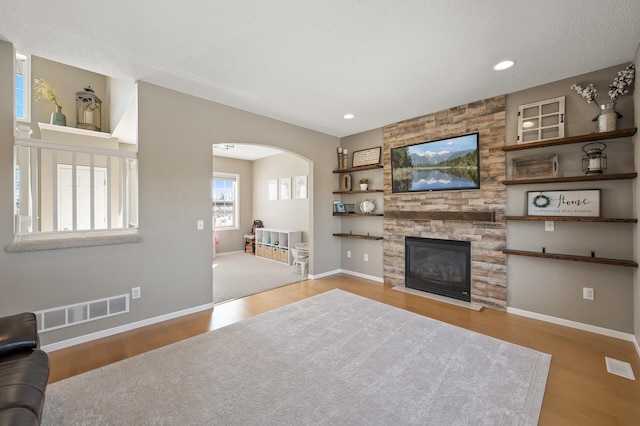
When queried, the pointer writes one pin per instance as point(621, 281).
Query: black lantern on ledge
point(595, 160)
point(88, 110)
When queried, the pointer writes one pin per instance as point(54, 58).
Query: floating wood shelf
point(463, 216)
point(358, 214)
point(573, 219)
point(581, 178)
point(592, 137)
point(358, 191)
point(359, 169)
point(586, 259)
point(357, 236)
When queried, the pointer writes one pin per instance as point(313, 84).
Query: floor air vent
point(619, 368)
point(64, 316)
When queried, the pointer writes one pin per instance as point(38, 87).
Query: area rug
point(335, 358)
point(237, 275)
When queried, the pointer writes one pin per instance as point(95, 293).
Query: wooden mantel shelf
point(442, 215)
point(591, 137)
point(586, 259)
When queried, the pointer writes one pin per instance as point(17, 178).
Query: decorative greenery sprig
point(364, 180)
point(619, 86)
point(590, 93)
point(44, 90)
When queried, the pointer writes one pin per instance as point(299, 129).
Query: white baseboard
point(324, 274)
point(358, 274)
point(578, 325)
point(120, 329)
point(635, 342)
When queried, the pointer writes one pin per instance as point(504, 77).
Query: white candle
point(594, 164)
point(344, 151)
point(88, 117)
point(339, 149)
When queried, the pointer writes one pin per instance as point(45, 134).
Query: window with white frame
point(23, 87)
point(225, 200)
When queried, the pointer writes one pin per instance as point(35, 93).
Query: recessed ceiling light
point(348, 116)
point(504, 65)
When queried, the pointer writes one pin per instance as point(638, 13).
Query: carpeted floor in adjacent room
point(238, 274)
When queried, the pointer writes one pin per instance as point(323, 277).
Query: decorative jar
point(607, 118)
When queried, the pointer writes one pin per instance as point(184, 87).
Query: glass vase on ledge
point(58, 118)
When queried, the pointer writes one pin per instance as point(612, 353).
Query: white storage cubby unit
point(274, 243)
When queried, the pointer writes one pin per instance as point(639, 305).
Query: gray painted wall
point(285, 214)
point(232, 240)
point(554, 287)
point(172, 264)
point(362, 225)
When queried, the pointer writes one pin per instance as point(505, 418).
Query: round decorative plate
point(367, 206)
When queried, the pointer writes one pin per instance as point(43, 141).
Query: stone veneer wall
point(488, 239)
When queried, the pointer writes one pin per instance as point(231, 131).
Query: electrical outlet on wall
point(135, 293)
point(366, 257)
point(348, 253)
point(588, 293)
point(549, 225)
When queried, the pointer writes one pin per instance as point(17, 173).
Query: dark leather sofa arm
point(18, 332)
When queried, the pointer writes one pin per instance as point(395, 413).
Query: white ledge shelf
point(29, 245)
point(73, 131)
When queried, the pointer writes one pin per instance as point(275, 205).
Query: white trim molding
point(578, 325)
point(360, 275)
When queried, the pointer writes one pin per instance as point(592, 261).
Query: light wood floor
point(579, 390)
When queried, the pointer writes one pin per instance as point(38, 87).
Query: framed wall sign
point(583, 203)
point(367, 157)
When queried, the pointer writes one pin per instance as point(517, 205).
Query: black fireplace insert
point(439, 266)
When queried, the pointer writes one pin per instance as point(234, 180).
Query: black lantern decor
point(595, 160)
point(88, 110)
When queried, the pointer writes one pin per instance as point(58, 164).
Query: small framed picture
point(299, 187)
point(285, 188)
point(273, 189)
point(338, 207)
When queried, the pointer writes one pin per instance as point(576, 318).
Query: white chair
point(300, 257)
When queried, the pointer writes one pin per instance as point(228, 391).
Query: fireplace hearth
point(439, 266)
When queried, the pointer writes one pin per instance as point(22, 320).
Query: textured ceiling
point(310, 62)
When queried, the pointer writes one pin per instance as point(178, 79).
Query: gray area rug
point(335, 358)
point(237, 275)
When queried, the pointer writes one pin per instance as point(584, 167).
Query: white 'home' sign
point(584, 203)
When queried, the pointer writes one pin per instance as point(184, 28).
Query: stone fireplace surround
point(472, 215)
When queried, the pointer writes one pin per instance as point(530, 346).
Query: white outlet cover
point(549, 225)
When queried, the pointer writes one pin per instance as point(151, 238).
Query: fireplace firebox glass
point(441, 267)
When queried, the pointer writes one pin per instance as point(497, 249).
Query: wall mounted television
point(440, 165)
